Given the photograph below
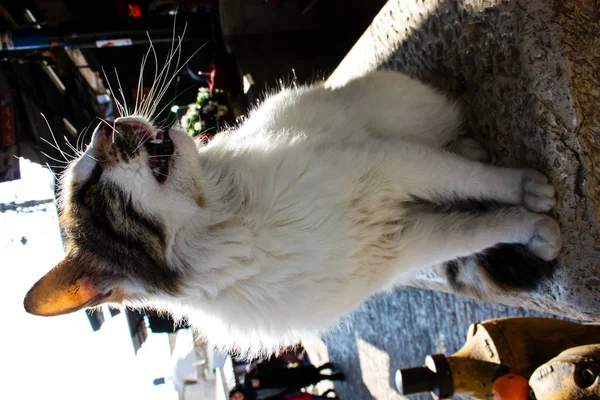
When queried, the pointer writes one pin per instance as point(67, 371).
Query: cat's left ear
point(58, 292)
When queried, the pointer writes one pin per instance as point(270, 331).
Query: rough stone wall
point(528, 76)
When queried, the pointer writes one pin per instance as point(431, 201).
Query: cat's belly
point(321, 235)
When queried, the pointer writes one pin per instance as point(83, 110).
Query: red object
point(134, 10)
point(7, 120)
point(299, 396)
point(510, 387)
point(217, 77)
point(205, 137)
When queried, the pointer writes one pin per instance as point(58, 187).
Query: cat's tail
point(506, 267)
point(503, 268)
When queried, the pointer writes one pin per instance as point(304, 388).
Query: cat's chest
point(303, 204)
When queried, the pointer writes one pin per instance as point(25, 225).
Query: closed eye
point(87, 193)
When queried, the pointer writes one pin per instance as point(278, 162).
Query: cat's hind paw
point(546, 241)
point(470, 149)
point(538, 194)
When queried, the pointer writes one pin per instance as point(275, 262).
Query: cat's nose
point(136, 126)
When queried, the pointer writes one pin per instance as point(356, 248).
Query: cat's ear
point(59, 292)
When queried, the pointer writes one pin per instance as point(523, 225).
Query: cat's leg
point(382, 105)
point(430, 238)
point(468, 148)
point(439, 176)
point(395, 105)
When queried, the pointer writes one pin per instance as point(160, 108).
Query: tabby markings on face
point(112, 243)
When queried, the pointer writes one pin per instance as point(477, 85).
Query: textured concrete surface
point(528, 76)
point(397, 330)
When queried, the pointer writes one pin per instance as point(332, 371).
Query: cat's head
point(121, 203)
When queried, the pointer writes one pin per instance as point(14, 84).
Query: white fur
point(304, 218)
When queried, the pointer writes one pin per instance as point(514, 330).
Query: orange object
point(510, 387)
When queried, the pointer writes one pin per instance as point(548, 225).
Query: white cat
point(277, 228)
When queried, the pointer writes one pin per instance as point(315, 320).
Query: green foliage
point(207, 113)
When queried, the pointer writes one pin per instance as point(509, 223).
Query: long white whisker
point(142, 142)
point(148, 99)
point(158, 79)
point(114, 129)
point(52, 172)
point(139, 85)
point(54, 137)
point(167, 83)
point(69, 145)
point(170, 54)
point(120, 107)
point(163, 76)
point(81, 135)
point(81, 153)
point(174, 98)
point(155, 73)
point(121, 90)
point(157, 100)
point(160, 156)
point(140, 107)
point(54, 159)
point(75, 151)
point(58, 149)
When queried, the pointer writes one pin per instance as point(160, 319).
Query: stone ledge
point(528, 75)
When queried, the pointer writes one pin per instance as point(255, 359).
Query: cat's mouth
point(160, 150)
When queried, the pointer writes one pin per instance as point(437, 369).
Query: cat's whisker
point(109, 125)
point(112, 127)
point(52, 172)
point(149, 99)
point(159, 98)
point(56, 146)
point(120, 107)
point(163, 81)
point(79, 142)
point(172, 101)
point(140, 85)
point(58, 149)
point(160, 156)
point(173, 49)
point(142, 142)
point(141, 109)
point(121, 91)
point(178, 68)
point(57, 160)
point(142, 98)
point(81, 153)
point(69, 145)
point(158, 77)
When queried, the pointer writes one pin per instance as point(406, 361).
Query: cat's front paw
point(538, 194)
point(546, 241)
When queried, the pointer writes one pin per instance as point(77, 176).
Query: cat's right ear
point(62, 291)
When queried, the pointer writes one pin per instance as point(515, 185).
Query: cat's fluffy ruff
point(287, 223)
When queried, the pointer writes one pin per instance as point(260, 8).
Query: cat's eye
point(87, 194)
point(89, 198)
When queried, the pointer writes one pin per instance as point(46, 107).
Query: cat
point(280, 226)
